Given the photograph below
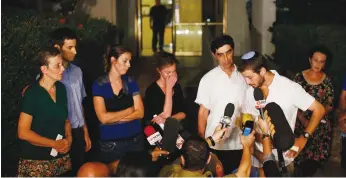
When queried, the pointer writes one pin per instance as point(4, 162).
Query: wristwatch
point(265, 135)
point(307, 135)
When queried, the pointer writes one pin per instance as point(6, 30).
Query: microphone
point(283, 137)
point(171, 138)
point(259, 97)
point(227, 117)
point(153, 137)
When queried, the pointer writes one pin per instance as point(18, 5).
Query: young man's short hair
point(196, 153)
point(58, 36)
point(252, 61)
point(220, 41)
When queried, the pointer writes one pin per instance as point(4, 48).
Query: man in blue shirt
point(341, 112)
point(65, 40)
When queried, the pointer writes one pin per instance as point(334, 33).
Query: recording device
point(260, 102)
point(153, 137)
point(248, 127)
point(226, 119)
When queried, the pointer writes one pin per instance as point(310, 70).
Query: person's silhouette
point(157, 24)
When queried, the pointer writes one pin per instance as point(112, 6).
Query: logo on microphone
point(260, 104)
point(156, 137)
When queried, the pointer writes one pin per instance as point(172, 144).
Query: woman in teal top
point(43, 119)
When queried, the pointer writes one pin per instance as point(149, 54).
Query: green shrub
point(24, 33)
point(292, 43)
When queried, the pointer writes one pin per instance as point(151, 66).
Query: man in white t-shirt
point(289, 95)
point(220, 86)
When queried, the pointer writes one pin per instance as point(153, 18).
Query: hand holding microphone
point(219, 133)
point(154, 138)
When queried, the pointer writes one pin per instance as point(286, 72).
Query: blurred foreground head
point(93, 169)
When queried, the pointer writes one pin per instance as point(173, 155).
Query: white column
point(263, 17)
point(238, 25)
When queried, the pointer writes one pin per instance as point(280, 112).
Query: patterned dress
point(318, 147)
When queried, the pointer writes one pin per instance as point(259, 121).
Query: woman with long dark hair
point(118, 107)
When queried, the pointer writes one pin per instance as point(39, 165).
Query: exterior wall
point(263, 16)
point(103, 9)
point(238, 25)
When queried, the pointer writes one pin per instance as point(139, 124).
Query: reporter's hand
point(157, 153)
point(266, 125)
point(158, 120)
point(247, 141)
point(219, 133)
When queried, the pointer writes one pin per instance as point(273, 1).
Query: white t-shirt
point(289, 95)
point(216, 89)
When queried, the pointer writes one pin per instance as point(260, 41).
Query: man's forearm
point(245, 163)
point(315, 120)
point(201, 127)
point(202, 120)
point(85, 127)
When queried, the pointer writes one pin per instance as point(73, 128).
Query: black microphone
point(171, 135)
point(227, 117)
point(153, 137)
point(259, 97)
point(283, 138)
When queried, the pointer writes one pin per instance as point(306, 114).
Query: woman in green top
point(43, 118)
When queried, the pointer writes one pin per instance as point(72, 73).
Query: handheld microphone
point(227, 117)
point(259, 97)
point(283, 137)
point(153, 137)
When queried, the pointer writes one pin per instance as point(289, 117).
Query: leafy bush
point(24, 33)
point(292, 43)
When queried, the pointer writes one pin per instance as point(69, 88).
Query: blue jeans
point(113, 150)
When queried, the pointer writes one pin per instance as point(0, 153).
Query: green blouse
point(48, 118)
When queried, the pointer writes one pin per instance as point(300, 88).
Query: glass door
point(195, 24)
point(145, 32)
point(191, 25)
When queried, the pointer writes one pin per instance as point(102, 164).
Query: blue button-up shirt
point(73, 81)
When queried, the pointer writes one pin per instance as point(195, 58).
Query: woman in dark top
point(118, 107)
point(318, 85)
point(43, 117)
point(164, 98)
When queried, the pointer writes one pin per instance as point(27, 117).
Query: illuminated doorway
point(191, 24)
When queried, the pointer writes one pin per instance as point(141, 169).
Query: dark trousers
point(158, 31)
point(307, 168)
point(113, 150)
point(343, 152)
point(230, 159)
point(77, 151)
